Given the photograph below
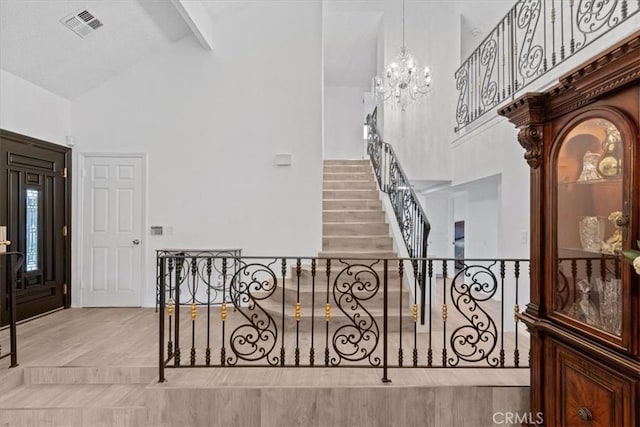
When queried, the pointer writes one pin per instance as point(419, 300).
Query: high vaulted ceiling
point(36, 46)
point(350, 47)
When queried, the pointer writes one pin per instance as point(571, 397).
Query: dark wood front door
point(35, 197)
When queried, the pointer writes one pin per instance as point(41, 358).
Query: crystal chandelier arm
point(402, 81)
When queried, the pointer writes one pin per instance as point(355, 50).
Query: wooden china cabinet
point(581, 141)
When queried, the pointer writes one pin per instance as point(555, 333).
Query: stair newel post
point(313, 307)
point(194, 309)
point(444, 313)
point(176, 334)
point(327, 315)
point(223, 308)
point(502, 276)
point(163, 284)
point(13, 280)
point(415, 314)
point(385, 321)
point(284, 273)
point(422, 275)
point(168, 275)
point(516, 311)
point(298, 312)
point(430, 350)
point(400, 351)
point(209, 284)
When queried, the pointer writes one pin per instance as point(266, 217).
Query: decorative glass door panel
point(591, 212)
point(33, 230)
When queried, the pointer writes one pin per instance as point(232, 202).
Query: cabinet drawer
point(589, 394)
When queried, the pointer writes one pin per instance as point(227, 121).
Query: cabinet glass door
point(591, 219)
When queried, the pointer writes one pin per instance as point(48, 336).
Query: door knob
point(136, 242)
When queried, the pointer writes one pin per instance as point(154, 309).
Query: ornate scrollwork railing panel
point(256, 337)
point(354, 285)
point(534, 37)
point(476, 339)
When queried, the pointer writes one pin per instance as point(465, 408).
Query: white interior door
point(112, 220)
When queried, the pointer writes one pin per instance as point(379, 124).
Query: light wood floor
point(128, 337)
point(89, 367)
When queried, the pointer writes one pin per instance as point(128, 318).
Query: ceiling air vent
point(82, 22)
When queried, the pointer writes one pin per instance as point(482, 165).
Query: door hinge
point(64, 172)
point(64, 231)
point(64, 289)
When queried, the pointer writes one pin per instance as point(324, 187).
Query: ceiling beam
point(195, 15)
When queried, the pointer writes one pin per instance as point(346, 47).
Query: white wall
point(481, 223)
point(211, 123)
point(343, 122)
point(495, 151)
point(30, 110)
point(439, 239)
point(421, 135)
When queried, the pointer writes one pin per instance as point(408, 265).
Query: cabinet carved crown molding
point(530, 138)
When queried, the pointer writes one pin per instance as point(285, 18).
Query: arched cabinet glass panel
point(590, 211)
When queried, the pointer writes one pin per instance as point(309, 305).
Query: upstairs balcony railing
point(412, 220)
point(533, 38)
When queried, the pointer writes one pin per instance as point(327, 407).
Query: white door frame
point(78, 295)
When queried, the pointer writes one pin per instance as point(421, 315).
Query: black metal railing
point(412, 220)
point(323, 312)
point(530, 40)
point(213, 292)
point(13, 264)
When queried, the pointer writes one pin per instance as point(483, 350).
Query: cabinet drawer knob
point(585, 414)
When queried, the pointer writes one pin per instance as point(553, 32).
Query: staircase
point(353, 227)
point(353, 223)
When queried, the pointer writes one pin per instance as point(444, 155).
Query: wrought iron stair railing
point(411, 217)
point(13, 264)
point(533, 38)
point(336, 313)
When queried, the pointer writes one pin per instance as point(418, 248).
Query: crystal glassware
point(591, 233)
point(584, 309)
point(609, 307)
point(590, 167)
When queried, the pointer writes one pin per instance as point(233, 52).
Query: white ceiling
point(350, 47)
point(35, 46)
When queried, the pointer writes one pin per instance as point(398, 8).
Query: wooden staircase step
point(350, 194)
point(347, 162)
point(348, 176)
point(349, 216)
point(347, 168)
point(351, 204)
point(350, 185)
point(355, 229)
point(356, 243)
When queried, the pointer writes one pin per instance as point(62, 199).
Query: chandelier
point(403, 82)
